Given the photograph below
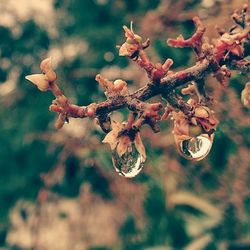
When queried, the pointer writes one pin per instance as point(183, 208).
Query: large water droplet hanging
point(196, 148)
point(129, 164)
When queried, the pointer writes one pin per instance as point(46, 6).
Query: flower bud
point(119, 84)
point(40, 80)
point(138, 38)
point(51, 75)
point(46, 65)
point(121, 87)
point(201, 112)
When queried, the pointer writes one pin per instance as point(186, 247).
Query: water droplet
point(196, 148)
point(129, 164)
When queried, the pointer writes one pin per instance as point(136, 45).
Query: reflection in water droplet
point(196, 148)
point(129, 164)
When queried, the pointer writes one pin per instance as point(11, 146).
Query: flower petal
point(40, 80)
point(139, 146)
point(111, 139)
point(123, 51)
point(124, 143)
point(201, 112)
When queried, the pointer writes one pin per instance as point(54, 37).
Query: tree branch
point(215, 59)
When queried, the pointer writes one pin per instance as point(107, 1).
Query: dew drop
point(196, 148)
point(129, 164)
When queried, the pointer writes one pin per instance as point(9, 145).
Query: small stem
point(177, 103)
point(130, 120)
point(55, 89)
point(201, 93)
point(168, 84)
point(227, 51)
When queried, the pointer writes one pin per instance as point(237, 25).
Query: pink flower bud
point(121, 87)
point(51, 75)
point(46, 65)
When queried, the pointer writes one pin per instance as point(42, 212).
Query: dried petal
point(201, 112)
point(112, 137)
point(181, 126)
point(124, 145)
point(139, 145)
point(194, 121)
point(40, 80)
point(123, 50)
point(111, 140)
point(128, 49)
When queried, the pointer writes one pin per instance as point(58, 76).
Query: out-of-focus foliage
point(58, 188)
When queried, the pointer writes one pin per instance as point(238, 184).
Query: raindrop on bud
point(130, 163)
point(195, 148)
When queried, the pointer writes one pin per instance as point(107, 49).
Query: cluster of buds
point(194, 121)
point(134, 48)
point(230, 43)
point(113, 89)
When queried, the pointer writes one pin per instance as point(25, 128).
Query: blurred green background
point(58, 189)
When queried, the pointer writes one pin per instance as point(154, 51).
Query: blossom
point(133, 43)
point(40, 80)
point(202, 121)
point(120, 140)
